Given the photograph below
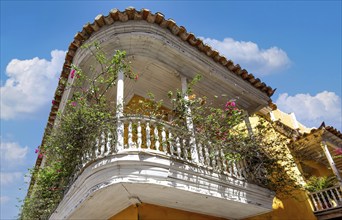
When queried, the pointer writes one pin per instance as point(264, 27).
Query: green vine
point(88, 113)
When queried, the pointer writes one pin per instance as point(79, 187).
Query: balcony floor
point(111, 184)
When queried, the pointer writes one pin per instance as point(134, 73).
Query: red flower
point(230, 104)
point(72, 73)
point(53, 102)
point(40, 156)
point(74, 104)
point(36, 150)
point(338, 151)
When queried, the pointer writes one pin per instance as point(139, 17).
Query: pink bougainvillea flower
point(36, 150)
point(72, 74)
point(40, 155)
point(230, 104)
point(74, 104)
point(338, 151)
point(53, 102)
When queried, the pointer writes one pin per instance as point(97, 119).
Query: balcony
point(162, 165)
point(327, 203)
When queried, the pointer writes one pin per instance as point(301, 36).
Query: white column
point(189, 123)
point(119, 111)
point(331, 162)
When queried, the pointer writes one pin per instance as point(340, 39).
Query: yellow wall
point(292, 207)
point(318, 169)
point(297, 208)
point(154, 212)
point(130, 213)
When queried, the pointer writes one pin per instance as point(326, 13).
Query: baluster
point(244, 167)
point(139, 135)
point(328, 198)
point(130, 135)
point(185, 149)
point(148, 135)
point(96, 148)
point(315, 205)
point(207, 156)
point(213, 158)
point(338, 193)
point(87, 157)
point(200, 153)
point(239, 168)
point(171, 144)
point(235, 174)
point(223, 159)
point(319, 201)
point(218, 159)
point(84, 158)
point(164, 143)
point(156, 138)
point(333, 195)
point(230, 167)
point(103, 143)
point(324, 200)
point(109, 142)
point(178, 145)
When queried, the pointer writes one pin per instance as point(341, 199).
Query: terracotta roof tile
point(321, 128)
point(334, 131)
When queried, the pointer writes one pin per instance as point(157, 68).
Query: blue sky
point(292, 46)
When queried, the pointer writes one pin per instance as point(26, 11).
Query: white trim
point(107, 186)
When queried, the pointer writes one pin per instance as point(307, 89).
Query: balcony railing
point(326, 199)
point(146, 134)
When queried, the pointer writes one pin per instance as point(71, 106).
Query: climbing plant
point(88, 112)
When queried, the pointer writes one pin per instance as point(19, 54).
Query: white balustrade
point(148, 134)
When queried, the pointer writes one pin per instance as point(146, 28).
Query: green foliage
point(315, 184)
point(265, 153)
point(86, 114)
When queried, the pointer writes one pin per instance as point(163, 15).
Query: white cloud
point(313, 110)
point(8, 178)
point(250, 57)
point(4, 199)
point(30, 84)
point(12, 152)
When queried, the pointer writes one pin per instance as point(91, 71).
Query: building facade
point(142, 174)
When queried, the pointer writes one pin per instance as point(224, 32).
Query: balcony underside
point(335, 213)
point(109, 185)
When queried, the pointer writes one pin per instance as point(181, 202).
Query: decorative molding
point(115, 181)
